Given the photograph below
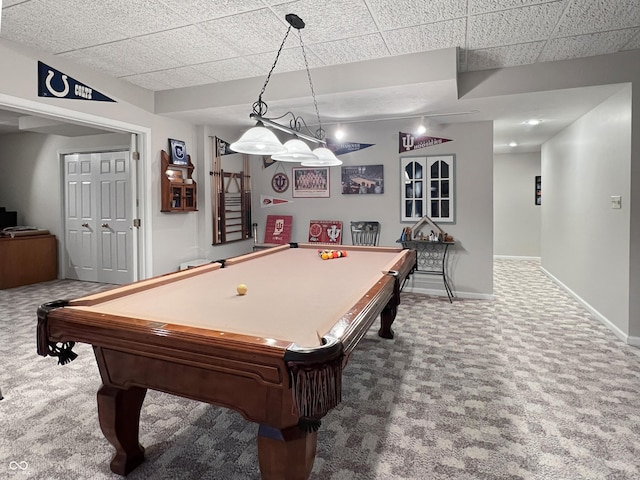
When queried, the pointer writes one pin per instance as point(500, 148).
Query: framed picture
point(311, 182)
point(538, 194)
point(363, 179)
point(178, 151)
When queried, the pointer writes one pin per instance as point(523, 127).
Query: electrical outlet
point(616, 201)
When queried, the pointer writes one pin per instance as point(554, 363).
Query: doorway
point(98, 223)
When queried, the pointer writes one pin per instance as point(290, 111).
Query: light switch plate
point(616, 201)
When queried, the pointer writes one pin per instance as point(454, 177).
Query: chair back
point(365, 233)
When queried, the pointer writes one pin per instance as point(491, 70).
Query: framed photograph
point(538, 187)
point(363, 179)
point(311, 182)
point(178, 151)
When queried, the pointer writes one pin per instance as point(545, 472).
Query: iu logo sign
point(54, 83)
point(280, 182)
point(409, 142)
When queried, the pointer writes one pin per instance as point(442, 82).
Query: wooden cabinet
point(27, 260)
point(178, 188)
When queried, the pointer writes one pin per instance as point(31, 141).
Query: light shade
point(258, 141)
point(326, 158)
point(297, 151)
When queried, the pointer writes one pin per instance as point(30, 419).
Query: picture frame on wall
point(178, 151)
point(310, 182)
point(538, 187)
point(362, 179)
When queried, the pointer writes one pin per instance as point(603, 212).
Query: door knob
point(85, 225)
point(105, 225)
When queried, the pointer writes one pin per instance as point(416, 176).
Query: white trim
point(145, 253)
point(604, 320)
point(515, 257)
point(443, 293)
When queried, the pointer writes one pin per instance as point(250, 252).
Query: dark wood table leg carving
point(119, 414)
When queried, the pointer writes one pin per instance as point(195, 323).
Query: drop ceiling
point(172, 44)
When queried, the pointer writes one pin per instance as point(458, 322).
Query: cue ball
point(242, 289)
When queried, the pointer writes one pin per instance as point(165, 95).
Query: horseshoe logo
point(54, 92)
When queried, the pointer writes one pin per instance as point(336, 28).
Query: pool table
point(274, 354)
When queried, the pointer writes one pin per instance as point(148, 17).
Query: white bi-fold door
point(98, 217)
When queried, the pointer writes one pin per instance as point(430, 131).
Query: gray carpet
point(528, 386)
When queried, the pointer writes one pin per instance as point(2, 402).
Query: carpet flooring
point(526, 386)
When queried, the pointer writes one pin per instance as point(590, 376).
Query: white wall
point(169, 238)
point(30, 175)
point(471, 261)
point(585, 243)
point(516, 216)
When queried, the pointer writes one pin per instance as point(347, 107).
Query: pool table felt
point(293, 295)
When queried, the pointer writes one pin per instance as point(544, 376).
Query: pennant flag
point(410, 142)
point(54, 83)
point(340, 148)
point(267, 161)
point(225, 147)
point(267, 201)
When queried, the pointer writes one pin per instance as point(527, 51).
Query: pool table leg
point(387, 317)
point(286, 454)
point(119, 414)
point(388, 314)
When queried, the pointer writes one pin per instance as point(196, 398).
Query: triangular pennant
point(410, 142)
point(225, 147)
point(54, 83)
point(267, 201)
point(340, 148)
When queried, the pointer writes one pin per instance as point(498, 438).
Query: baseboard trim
point(635, 341)
point(514, 257)
point(442, 293)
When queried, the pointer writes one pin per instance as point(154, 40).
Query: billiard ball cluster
point(328, 254)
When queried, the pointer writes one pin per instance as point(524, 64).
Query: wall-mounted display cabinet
point(178, 188)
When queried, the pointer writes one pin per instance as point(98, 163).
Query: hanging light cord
point(259, 107)
point(320, 130)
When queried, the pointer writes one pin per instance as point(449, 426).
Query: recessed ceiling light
point(533, 121)
point(513, 144)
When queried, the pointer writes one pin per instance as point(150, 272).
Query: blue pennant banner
point(408, 142)
point(340, 148)
point(54, 83)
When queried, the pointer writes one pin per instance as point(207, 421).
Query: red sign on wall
point(278, 229)
point(325, 231)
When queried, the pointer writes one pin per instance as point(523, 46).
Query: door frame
point(139, 176)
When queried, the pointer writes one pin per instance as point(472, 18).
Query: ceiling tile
point(336, 19)
point(231, 69)
point(126, 57)
point(450, 33)
point(394, 14)
point(585, 45)
point(153, 81)
point(202, 10)
point(511, 55)
point(484, 6)
point(354, 49)
point(251, 32)
point(38, 24)
point(8, 3)
point(635, 41)
point(134, 18)
point(90, 59)
point(173, 78)
point(290, 59)
point(522, 25)
point(190, 44)
point(588, 16)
